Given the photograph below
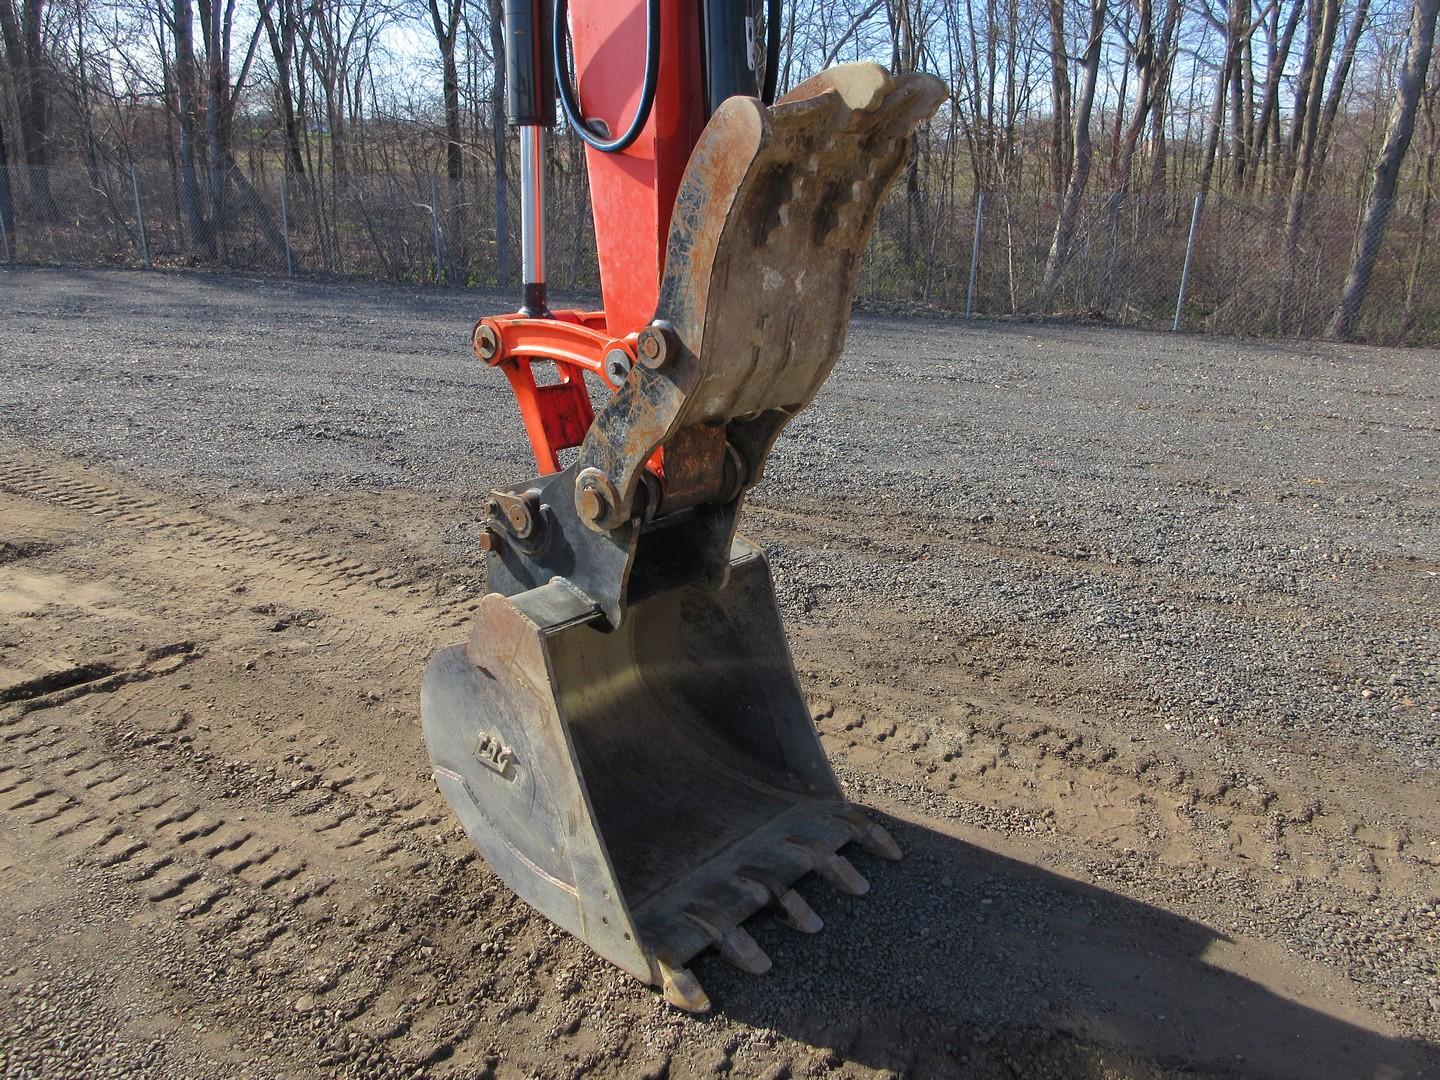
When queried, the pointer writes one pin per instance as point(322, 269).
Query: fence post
point(5, 237)
point(974, 254)
point(140, 218)
point(1189, 252)
point(285, 229)
point(435, 220)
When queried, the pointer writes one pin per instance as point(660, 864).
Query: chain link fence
point(1223, 263)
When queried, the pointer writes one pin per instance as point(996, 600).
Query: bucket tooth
point(790, 907)
point(878, 842)
point(734, 944)
point(797, 914)
point(741, 950)
point(835, 870)
point(840, 873)
point(873, 838)
point(682, 989)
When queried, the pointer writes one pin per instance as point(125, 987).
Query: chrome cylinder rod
point(532, 218)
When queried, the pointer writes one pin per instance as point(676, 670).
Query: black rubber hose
point(772, 51)
point(569, 98)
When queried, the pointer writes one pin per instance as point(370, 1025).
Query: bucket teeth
point(683, 990)
point(874, 839)
point(741, 950)
point(836, 870)
point(797, 914)
point(790, 907)
point(734, 943)
point(841, 874)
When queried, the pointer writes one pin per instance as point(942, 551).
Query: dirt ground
point(1131, 640)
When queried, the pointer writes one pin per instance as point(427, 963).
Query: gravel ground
point(1134, 636)
point(1301, 476)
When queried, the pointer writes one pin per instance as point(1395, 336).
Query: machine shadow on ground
point(959, 954)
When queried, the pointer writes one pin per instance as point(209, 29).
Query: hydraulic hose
point(772, 51)
point(569, 98)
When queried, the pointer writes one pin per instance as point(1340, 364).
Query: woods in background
point(1279, 155)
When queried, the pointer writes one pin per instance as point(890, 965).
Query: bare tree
point(1304, 135)
point(280, 30)
point(497, 123)
point(1081, 154)
point(27, 65)
point(1061, 142)
point(1277, 55)
point(7, 201)
point(185, 108)
point(1387, 167)
point(445, 22)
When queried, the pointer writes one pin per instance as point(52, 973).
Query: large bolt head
point(617, 365)
point(596, 500)
point(487, 341)
point(590, 504)
point(518, 517)
point(657, 347)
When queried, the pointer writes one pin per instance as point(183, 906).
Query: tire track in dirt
point(310, 867)
point(344, 887)
point(289, 896)
point(993, 748)
point(1071, 782)
point(311, 567)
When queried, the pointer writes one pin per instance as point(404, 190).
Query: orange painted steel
point(633, 194)
point(556, 414)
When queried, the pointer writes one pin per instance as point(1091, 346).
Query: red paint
point(632, 193)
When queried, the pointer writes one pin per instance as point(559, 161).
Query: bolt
point(518, 514)
point(656, 345)
point(590, 504)
point(617, 365)
point(596, 500)
point(489, 540)
point(487, 341)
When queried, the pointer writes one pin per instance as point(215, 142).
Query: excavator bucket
point(647, 788)
point(623, 736)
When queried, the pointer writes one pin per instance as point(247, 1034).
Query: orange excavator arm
point(622, 735)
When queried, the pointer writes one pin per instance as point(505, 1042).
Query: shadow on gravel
point(961, 962)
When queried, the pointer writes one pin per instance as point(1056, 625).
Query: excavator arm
point(623, 735)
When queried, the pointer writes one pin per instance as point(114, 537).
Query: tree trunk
point(210, 11)
point(185, 105)
point(445, 39)
point(1080, 167)
point(1150, 63)
point(1277, 54)
point(1060, 146)
point(1238, 149)
point(7, 203)
point(1342, 73)
point(23, 47)
point(1387, 167)
point(1237, 26)
point(1307, 123)
point(282, 48)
